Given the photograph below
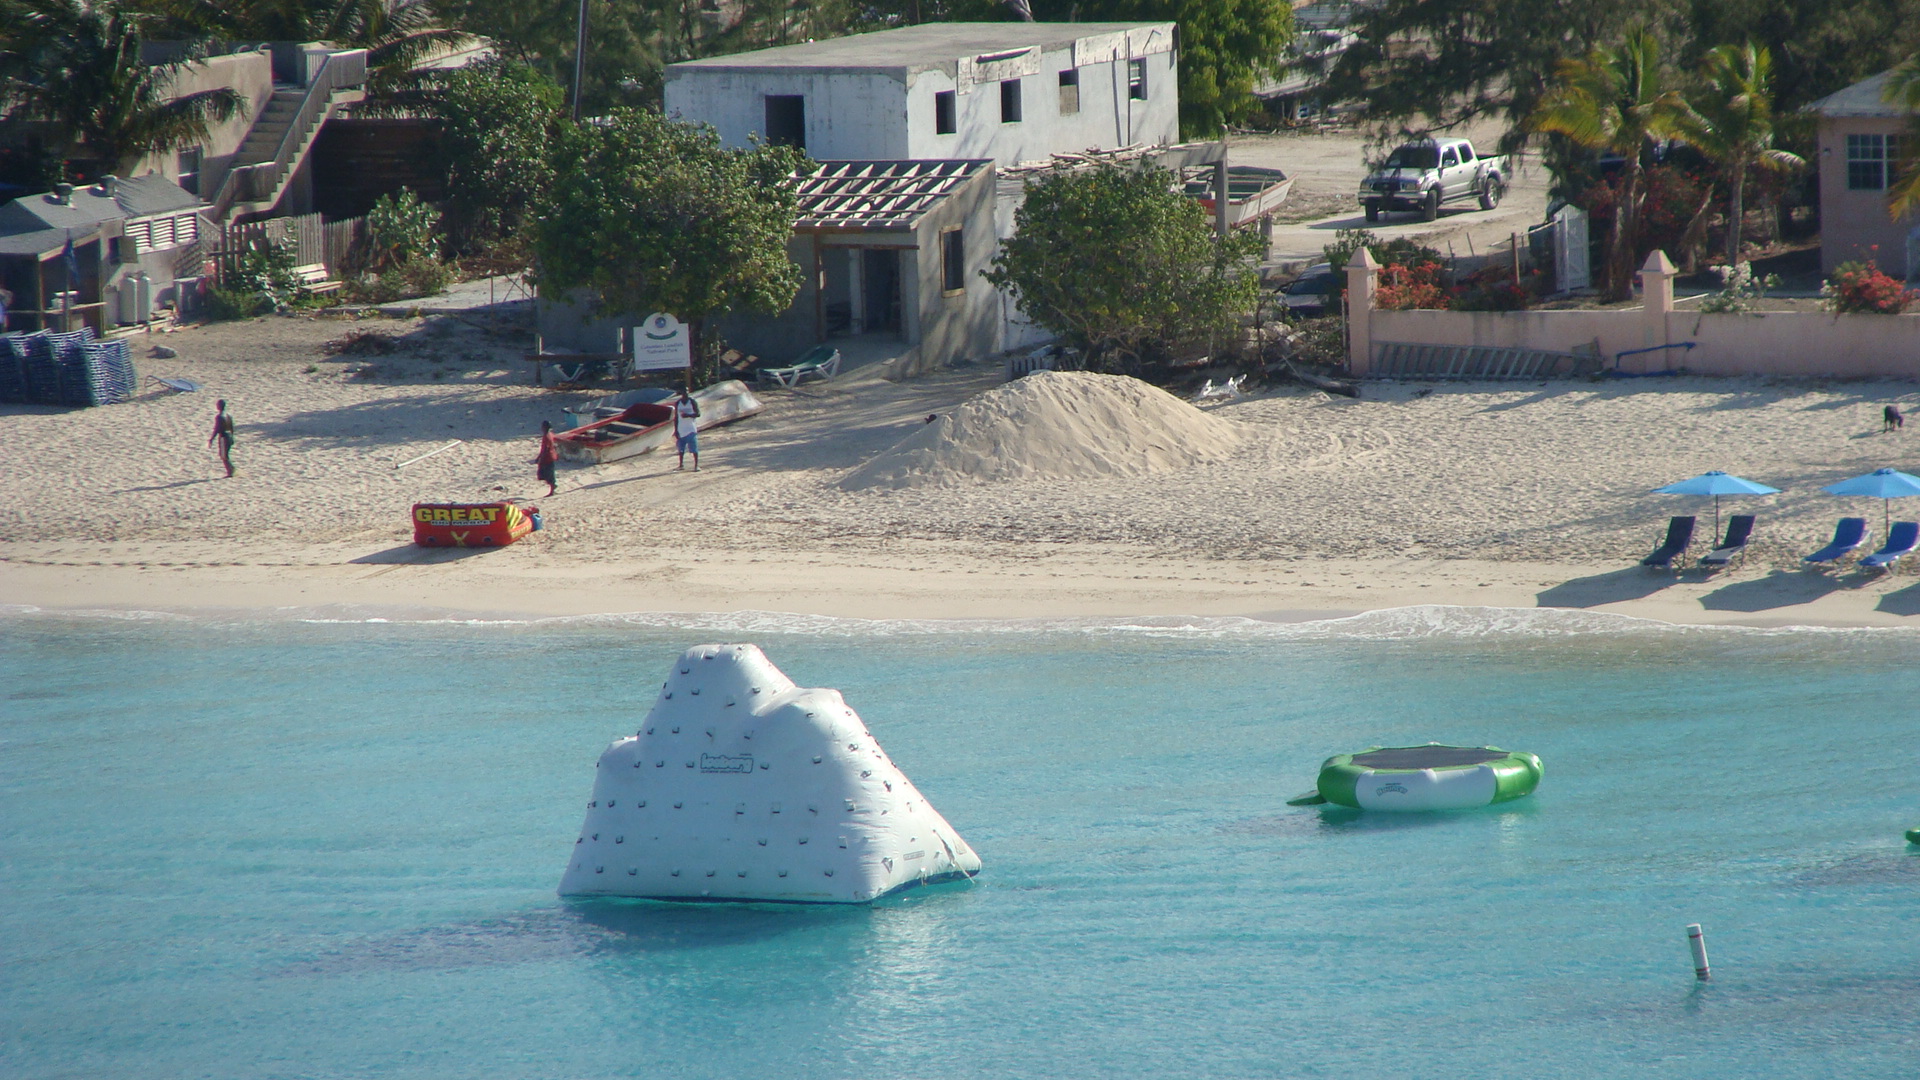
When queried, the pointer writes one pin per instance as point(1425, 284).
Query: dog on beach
point(1891, 420)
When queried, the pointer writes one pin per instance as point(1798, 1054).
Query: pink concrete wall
point(1853, 222)
point(1782, 343)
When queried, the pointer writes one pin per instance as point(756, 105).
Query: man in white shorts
point(686, 429)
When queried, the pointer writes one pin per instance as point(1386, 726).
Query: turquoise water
point(312, 849)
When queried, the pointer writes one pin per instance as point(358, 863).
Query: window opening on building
point(1870, 161)
point(1010, 101)
point(188, 166)
point(787, 120)
point(1069, 91)
point(1137, 79)
point(943, 118)
point(953, 261)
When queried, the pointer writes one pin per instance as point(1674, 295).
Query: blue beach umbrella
point(1716, 484)
point(1882, 484)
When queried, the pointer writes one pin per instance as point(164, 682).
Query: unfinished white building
point(1005, 92)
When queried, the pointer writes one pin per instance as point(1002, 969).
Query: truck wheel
point(1373, 209)
point(1490, 194)
point(1430, 208)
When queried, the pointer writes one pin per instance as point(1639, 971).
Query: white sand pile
point(1053, 425)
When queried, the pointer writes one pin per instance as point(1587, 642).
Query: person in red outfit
point(549, 454)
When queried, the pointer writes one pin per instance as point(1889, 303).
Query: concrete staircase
point(263, 141)
point(283, 133)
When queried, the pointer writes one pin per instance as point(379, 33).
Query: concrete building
point(1005, 92)
point(1859, 136)
point(891, 251)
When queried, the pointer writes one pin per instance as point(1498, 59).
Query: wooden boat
point(648, 425)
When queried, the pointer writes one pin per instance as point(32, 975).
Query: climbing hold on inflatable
point(1430, 777)
point(758, 795)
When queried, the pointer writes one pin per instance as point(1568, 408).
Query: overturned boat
point(639, 427)
point(741, 786)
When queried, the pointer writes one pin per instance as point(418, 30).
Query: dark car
point(1314, 293)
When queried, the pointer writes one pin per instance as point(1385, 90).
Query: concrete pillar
point(1656, 291)
point(1363, 276)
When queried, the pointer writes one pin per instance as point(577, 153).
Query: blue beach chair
point(1679, 535)
point(1902, 538)
point(1849, 534)
point(1739, 531)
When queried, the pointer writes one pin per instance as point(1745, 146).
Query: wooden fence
point(316, 242)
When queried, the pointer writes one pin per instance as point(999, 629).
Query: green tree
point(650, 214)
point(1123, 266)
point(1226, 47)
point(396, 33)
point(1818, 46)
point(497, 123)
point(1731, 121)
point(76, 64)
point(1422, 64)
point(1615, 100)
point(1903, 89)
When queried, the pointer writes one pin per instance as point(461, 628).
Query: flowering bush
point(1493, 288)
point(1740, 291)
point(1857, 287)
point(1415, 285)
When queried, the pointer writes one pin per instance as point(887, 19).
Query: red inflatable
point(494, 524)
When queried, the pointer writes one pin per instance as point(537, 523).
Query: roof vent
point(63, 194)
point(109, 185)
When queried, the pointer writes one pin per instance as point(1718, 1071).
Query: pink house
point(1859, 137)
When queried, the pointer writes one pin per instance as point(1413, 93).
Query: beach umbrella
point(1882, 484)
point(1716, 484)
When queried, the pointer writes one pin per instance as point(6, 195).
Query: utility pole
point(579, 59)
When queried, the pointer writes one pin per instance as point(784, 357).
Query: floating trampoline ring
point(1430, 777)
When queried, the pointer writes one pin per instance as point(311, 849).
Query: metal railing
point(257, 181)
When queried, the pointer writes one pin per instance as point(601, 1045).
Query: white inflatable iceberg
point(742, 786)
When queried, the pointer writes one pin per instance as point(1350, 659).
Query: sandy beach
point(1508, 495)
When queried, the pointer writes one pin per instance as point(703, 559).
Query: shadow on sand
point(1632, 583)
point(1781, 588)
point(410, 555)
point(1901, 601)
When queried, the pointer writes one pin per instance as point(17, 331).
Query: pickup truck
point(1427, 174)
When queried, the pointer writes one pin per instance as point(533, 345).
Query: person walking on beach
point(549, 456)
point(686, 429)
point(223, 434)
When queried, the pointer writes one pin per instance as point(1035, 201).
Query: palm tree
point(1615, 101)
point(76, 64)
point(395, 33)
point(1903, 89)
point(1731, 121)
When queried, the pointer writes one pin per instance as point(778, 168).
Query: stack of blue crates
point(65, 369)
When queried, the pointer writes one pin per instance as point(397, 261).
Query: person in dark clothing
point(549, 455)
point(223, 434)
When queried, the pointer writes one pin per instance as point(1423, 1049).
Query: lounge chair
point(819, 362)
point(1679, 535)
point(1849, 534)
point(178, 386)
point(1902, 538)
point(1739, 531)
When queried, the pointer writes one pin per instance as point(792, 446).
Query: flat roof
point(927, 45)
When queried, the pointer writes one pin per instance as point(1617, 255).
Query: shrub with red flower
point(1492, 288)
point(1411, 286)
point(1861, 288)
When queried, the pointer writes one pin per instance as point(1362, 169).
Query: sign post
point(661, 344)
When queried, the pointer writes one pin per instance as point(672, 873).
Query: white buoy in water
point(1699, 942)
point(741, 786)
